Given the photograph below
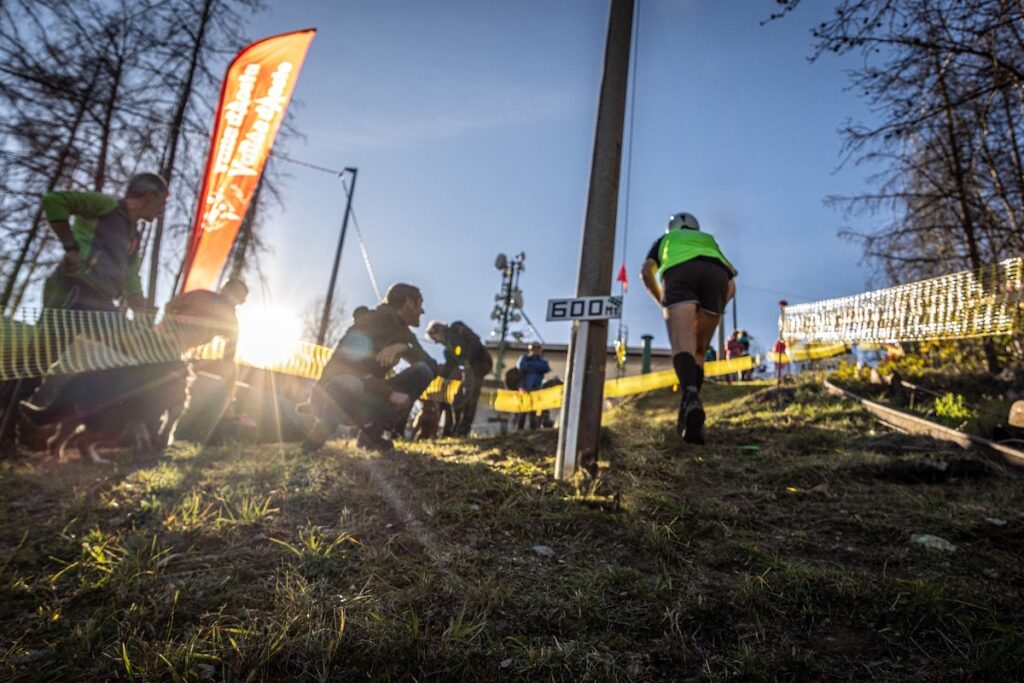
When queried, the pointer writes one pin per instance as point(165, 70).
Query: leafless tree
point(313, 313)
point(94, 91)
point(946, 80)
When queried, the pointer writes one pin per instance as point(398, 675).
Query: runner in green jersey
point(697, 282)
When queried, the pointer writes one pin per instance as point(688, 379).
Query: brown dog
point(426, 423)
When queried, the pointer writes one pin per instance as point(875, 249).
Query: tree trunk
point(105, 132)
point(30, 271)
point(55, 177)
point(967, 223)
point(245, 233)
point(167, 167)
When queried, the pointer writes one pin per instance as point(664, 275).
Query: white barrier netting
point(64, 342)
point(964, 305)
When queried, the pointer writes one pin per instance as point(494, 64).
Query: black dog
point(143, 401)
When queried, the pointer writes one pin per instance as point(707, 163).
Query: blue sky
point(472, 127)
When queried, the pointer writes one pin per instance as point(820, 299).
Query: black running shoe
point(691, 419)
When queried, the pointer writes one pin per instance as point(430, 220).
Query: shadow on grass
point(464, 559)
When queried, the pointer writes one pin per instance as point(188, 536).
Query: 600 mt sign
point(585, 308)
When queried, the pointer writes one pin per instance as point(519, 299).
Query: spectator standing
point(696, 283)
point(102, 246)
point(462, 349)
point(780, 357)
point(745, 343)
point(100, 268)
point(734, 349)
point(533, 366)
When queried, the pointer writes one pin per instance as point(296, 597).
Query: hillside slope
point(781, 550)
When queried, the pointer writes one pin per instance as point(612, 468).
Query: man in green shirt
point(102, 247)
point(697, 282)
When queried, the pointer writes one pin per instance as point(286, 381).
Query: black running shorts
point(702, 281)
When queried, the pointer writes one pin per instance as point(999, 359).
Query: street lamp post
point(325, 319)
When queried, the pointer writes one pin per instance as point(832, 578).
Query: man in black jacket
point(462, 349)
point(355, 382)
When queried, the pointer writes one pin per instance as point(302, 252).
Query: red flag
point(253, 100)
point(622, 277)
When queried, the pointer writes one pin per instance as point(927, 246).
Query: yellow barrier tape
point(505, 401)
point(810, 353)
point(441, 389)
point(64, 342)
point(971, 303)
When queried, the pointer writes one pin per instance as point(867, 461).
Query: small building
point(489, 422)
point(556, 356)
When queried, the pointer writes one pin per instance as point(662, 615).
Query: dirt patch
point(776, 397)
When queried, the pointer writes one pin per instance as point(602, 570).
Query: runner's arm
point(649, 276)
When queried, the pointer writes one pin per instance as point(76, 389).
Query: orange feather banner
point(254, 97)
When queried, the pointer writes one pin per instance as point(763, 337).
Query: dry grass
point(780, 551)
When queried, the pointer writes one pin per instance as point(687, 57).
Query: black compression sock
point(686, 370)
point(700, 377)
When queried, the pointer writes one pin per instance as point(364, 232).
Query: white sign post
point(585, 308)
point(580, 309)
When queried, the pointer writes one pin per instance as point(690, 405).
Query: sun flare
point(267, 336)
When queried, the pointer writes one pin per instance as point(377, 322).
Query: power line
point(362, 249)
point(306, 164)
point(629, 152)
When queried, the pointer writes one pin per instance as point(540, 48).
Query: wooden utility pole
point(580, 423)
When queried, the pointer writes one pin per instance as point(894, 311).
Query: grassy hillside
point(781, 550)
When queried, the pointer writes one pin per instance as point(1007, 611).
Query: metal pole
point(506, 290)
point(645, 364)
point(325, 319)
point(721, 337)
point(735, 315)
point(580, 422)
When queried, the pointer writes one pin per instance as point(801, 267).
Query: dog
point(424, 426)
point(142, 402)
